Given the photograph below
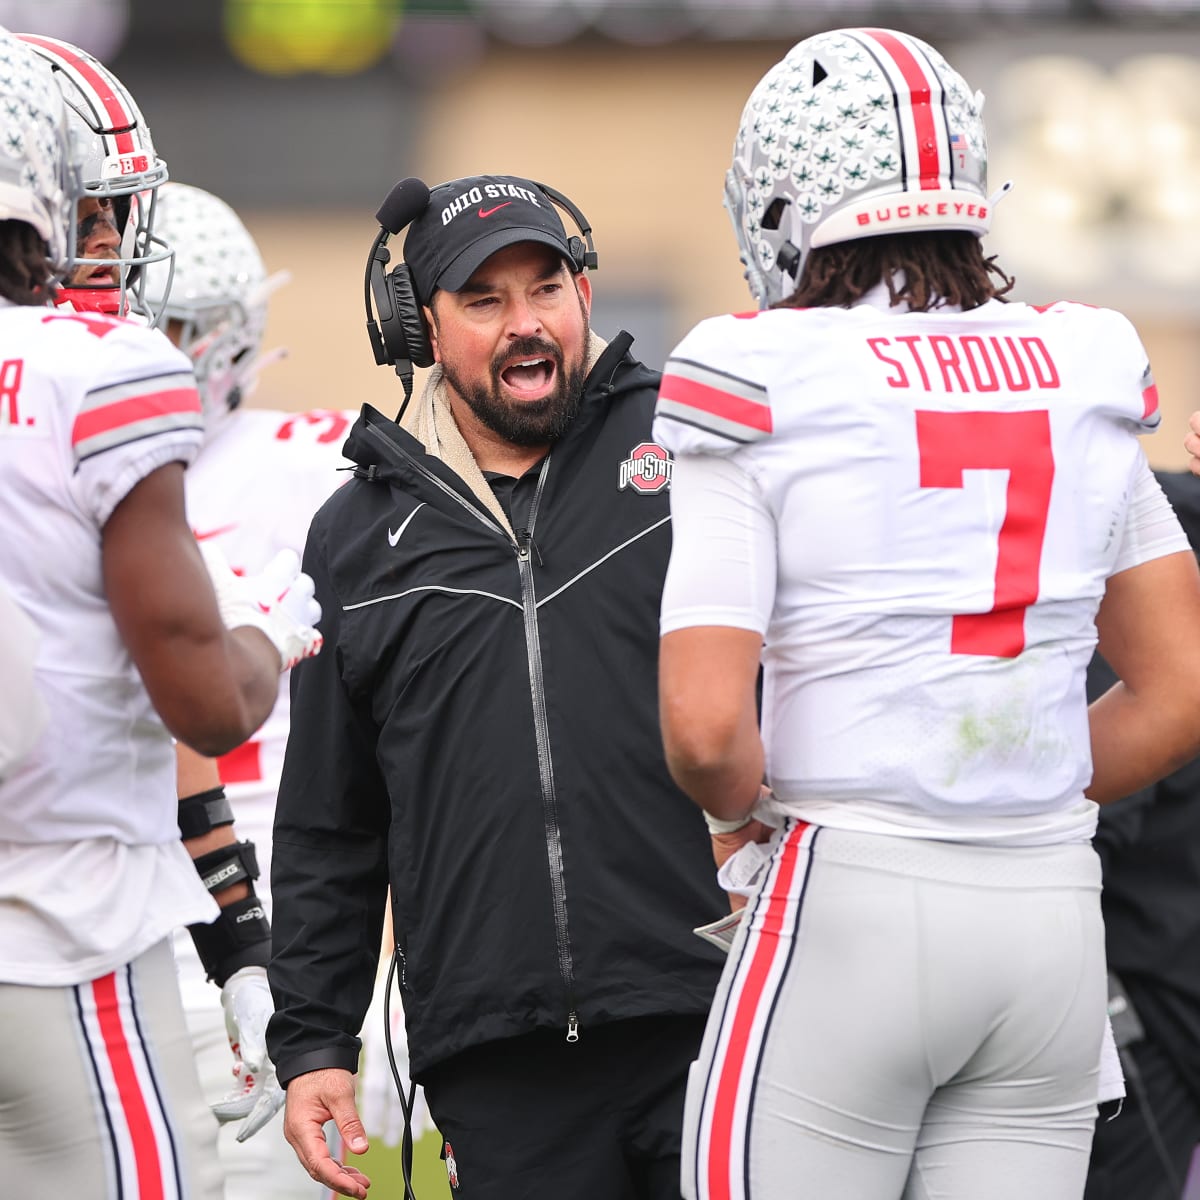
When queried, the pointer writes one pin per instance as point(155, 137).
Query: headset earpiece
point(398, 332)
point(583, 251)
point(409, 318)
point(578, 253)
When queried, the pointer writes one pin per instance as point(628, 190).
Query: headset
point(400, 338)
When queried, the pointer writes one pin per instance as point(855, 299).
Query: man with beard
point(483, 736)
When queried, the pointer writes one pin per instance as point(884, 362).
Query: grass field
point(382, 1166)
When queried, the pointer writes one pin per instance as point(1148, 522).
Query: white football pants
point(902, 1018)
point(99, 1098)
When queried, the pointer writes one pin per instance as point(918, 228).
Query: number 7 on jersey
point(1018, 442)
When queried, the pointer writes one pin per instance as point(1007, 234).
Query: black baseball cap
point(468, 220)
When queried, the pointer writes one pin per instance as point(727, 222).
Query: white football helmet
point(117, 162)
point(855, 133)
point(218, 290)
point(37, 182)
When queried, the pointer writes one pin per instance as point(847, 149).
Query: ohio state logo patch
point(646, 470)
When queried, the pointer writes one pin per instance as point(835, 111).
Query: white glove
point(256, 1096)
point(378, 1102)
point(278, 600)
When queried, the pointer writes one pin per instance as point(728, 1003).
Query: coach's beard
point(529, 422)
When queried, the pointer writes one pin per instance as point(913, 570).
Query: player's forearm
point(1138, 739)
point(221, 691)
point(723, 777)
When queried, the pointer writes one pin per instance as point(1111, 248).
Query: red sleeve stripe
point(732, 407)
point(133, 417)
point(1150, 414)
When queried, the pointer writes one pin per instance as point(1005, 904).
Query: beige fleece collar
point(431, 421)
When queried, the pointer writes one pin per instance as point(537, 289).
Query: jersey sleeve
point(1151, 529)
point(1134, 394)
point(712, 400)
point(722, 569)
point(138, 410)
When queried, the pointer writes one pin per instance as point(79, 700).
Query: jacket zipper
point(478, 513)
point(541, 726)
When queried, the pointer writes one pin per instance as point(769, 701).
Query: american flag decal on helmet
point(729, 405)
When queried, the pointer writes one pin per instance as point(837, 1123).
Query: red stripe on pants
point(129, 1088)
point(766, 950)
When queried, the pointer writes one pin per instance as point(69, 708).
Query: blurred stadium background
point(302, 113)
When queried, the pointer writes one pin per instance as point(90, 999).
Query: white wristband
point(716, 825)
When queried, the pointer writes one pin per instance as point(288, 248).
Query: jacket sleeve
point(329, 859)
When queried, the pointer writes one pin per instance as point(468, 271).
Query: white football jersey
point(919, 512)
point(92, 871)
point(89, 406)
point(253, 492)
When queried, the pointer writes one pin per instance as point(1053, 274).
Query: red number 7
point(1018, 442)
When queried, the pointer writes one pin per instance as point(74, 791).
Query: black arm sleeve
point(329, 859)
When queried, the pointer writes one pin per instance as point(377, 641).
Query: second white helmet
point(218, 292)
point(855, 133)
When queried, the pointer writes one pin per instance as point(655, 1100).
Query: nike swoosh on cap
point(394, 537)
point(498, 207)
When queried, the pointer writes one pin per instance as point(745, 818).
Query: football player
point(141, 641)
point(916, 507)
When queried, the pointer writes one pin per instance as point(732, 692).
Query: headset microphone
point(403, 340)
point(404, 204)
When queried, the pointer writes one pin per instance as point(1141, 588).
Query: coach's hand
point(313, 1099)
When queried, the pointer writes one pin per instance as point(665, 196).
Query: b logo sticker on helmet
point(647, 470)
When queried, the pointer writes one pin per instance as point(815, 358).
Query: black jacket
point(481, 730)
point(1149, 847)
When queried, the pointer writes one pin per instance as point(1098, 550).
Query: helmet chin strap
point(111, 301)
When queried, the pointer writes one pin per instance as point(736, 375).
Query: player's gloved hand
point(256, 1096)
point(278, 600)
point(378, 1102)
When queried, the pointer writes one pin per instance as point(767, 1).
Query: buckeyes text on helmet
point(855, 133)
point(214, 301)
point(118, 163)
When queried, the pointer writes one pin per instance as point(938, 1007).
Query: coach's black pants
point(538, 1118)
point(1126, 1163)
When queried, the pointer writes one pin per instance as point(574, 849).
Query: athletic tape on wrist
point(717, 826)
point(222, 868)
point(203, 812)
point(239, 937)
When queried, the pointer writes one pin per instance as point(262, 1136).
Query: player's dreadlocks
point(24, 271)
point(939, 267)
